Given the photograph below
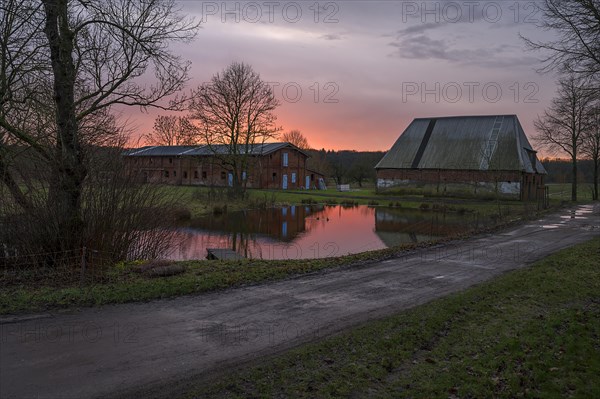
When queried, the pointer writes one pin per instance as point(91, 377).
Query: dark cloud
point(331, 36)
point(420, 28)
point(423, 47)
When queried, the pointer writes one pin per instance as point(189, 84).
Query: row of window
point(185, 174)
point(293, 176)
point(204, 174)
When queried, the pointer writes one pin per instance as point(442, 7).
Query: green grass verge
point(125, 283)
point(562, 191)
point(529, 333)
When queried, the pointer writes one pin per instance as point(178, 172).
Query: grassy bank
point(530, 333)
point(134, 282)
point(201, 201)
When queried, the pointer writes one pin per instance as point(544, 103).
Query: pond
point(307, 232)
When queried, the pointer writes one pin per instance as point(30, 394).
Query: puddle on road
point(551, 226)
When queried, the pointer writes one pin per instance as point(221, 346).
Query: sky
point(353, 74)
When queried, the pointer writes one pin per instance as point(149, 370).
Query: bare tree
point(296, 138)
point(577, 48)
point(338, 170)
point(235, 113)
point(360, 171)
point(319, 163)
point(562, 127)
point(591, 145)
point(173, 130)
point(70, 61)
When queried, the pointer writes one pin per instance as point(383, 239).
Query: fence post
point(83, 264)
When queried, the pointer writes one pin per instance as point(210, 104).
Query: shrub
point(182, 213)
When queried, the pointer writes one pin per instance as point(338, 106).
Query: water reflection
point(302, 232)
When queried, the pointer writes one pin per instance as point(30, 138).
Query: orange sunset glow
point(355, 75)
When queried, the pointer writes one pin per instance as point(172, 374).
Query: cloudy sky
point(353, 74)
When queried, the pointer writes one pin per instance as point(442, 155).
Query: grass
point(562, 191)
point(127, 283)
point(529, 333)
point(196, 201)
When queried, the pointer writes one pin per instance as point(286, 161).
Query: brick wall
point(512, 183)
point(267, 171)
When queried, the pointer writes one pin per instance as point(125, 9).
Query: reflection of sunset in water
point(303, 232)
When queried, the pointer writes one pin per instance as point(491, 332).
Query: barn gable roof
point(490, 142)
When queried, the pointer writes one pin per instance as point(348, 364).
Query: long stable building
point(479, 153)
point(271, 165)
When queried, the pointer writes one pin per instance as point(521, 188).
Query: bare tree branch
point(235, 112)
point(562, 127)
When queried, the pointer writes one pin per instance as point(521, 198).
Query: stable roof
point(206, 150)
point(488, 142)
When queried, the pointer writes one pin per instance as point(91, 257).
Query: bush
point(181, 213)
point(219, 210)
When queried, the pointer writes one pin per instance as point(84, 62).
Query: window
point(166, 173)
point(204, 175)
point(184, 174)
point(174, 173)
point(285, 159)
point(223, 175)
point(170, 160)
point(274, 176)
point(293, 177)
point(195, 174)
point(244, 175)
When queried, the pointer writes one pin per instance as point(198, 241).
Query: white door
point(285, 185)
point(230, 179)
point(307, 182)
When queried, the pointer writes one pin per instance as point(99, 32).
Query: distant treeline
point(346, 166)
point(559, 170)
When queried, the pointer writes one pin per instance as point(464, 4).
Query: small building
point(270, 165)
point(475, 153)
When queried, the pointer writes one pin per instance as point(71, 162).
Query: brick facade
point(284, 168)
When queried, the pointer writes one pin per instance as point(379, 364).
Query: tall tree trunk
point(68, 173)
point(574, 179)
point(596, 166)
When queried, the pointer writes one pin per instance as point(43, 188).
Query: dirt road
point(112, 349)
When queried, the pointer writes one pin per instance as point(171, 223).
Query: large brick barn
point(270, 165)
point(476, 153)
